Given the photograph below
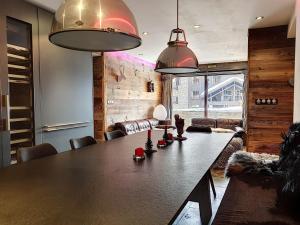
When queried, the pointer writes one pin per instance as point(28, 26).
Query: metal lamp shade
point(177, 58)
point(95, 25)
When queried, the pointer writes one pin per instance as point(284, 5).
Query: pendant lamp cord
point(177, 35)
point(177, 14)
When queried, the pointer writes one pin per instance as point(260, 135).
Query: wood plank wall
point(120, 90)
point(271, 65)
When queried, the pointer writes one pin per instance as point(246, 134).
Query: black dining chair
point(36, 152)
point(113, 135)
point(82, 142)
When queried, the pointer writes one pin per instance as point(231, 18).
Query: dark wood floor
point(190, 214)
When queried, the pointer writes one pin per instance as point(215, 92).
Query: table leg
point(201, 194)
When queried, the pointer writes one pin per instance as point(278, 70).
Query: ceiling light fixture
point(177, 58)
point(197, 26)
point(95, 25)
point(259, 18)
point(145, 33)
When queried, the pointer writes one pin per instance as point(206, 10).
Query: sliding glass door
point(211, 96)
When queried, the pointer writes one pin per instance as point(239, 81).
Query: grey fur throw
point(243, 162)
point(286, 168)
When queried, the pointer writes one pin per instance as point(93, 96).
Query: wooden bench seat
point(252, 200)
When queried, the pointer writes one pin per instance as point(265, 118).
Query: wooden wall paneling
point(271, 65)
point(99, 97)
point(123, 96)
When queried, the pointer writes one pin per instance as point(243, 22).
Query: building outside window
point(224, 97)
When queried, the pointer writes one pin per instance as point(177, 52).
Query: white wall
point(297, 66)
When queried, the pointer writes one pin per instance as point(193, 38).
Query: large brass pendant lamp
point(177, 58)
point(95, 25)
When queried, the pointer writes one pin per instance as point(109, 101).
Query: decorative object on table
point(170, 139)
point(165, 137)
point(160, 112)
point(161, 143)
point(139, 154)
point(179, 123)
point(76, 25)
point(150, 86)
point(166, 134)
point(177, 58)
point(149, 145)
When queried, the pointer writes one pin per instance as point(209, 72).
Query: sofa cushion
point(128, 127)
point(144, 125)
point(204, 122)
point(153, 122)
point(229, 123)
point(198, 129)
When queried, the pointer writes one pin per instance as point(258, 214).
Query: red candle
point(149, 134)
point(139, 152)
point(162, 142)
point(170, 136)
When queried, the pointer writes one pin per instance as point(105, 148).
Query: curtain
point(167, 93)
point(245, 100)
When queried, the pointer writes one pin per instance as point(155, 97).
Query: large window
point(219, 96)
point(187, 101)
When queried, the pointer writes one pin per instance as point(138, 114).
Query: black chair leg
point(211, 181)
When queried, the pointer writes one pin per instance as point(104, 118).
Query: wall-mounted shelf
point(13, 152)
point(14, 120)
point(17, 57)
point(18, 67)
point(20, 108)
point(20, 131)
point(19, 141)
point(19, 81)
point(19, 49)
point(18, 76)
point(13, 162)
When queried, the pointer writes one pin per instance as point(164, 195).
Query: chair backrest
point(35, 152)
point(82, 142)
point(113, 135)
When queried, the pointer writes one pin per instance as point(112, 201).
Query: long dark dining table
point(103, 185)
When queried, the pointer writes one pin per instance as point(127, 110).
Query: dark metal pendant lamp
point(95, 25)
point(177, 58)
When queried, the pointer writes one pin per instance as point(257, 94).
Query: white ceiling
point(224, 24)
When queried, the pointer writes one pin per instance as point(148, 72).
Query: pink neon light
point(130, 58)
point(133, 30)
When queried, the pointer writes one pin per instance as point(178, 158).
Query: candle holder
point(170, 139)
point(161, 143)
point(165, 136)
point(149, 147)
point(139, 154)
